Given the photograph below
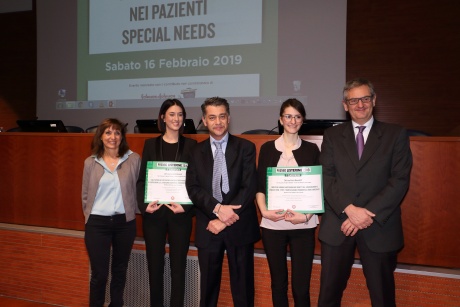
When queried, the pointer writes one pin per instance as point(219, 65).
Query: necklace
point(287, 157)
point(178, 150)
point(111, 161)
point(287, 143)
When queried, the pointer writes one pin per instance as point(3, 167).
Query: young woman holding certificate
point(285, 228)
point(109, 206)
point(166, 220)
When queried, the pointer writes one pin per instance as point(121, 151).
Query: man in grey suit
point(363, 190)
point(226, 219)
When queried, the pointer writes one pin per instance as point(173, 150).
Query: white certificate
point(165, 182)
point(297, 188)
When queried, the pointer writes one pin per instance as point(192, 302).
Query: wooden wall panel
point(410, 51)
point(43, 173)
point(18, 67)
point(432, 203)
point(44, 268)
point(53, 268)
point(44, 184)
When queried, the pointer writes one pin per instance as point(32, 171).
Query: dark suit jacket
point(240, 155)
point(152, 152)
point(377, 182)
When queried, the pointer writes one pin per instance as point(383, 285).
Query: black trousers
point(301, 243)
point(177, 227)
point(241, 269)
point(101, 233)
point(336, 264)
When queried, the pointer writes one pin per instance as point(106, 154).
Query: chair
point(411, 132)
point(91, 129)
point(74, 129)
point(258, 131)
point(201, 128)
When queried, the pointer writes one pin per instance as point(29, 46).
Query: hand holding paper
point(152, 207)
point(176, 208)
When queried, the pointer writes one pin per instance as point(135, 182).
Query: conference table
point(42, 173)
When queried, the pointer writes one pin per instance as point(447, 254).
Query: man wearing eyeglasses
point(366, 170)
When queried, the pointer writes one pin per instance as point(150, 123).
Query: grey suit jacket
point(240, 155)
point(128, 172)
point(377, 182)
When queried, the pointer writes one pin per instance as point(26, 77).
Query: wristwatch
point(216, 210)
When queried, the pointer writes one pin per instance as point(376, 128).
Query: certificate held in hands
point(165, 182)
point(297, 188)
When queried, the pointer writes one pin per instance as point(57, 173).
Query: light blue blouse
point(109, 200)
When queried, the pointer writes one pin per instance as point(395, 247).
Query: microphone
point(272, 130)
point(199, 123)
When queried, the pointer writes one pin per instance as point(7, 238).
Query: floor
point(10, 302)
point(415, 288)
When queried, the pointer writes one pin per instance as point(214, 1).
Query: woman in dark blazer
point(166, 220)
point(286, 228)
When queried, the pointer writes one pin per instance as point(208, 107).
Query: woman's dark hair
point(292, 102)
point(164, 108)
point(97, 147)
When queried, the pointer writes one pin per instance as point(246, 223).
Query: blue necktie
point(360, 140)
point(220, 171)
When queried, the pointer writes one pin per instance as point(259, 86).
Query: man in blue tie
point(221, 182)
point(366, 170)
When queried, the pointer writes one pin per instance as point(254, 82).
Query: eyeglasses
point(297, 117)
point(365, 99)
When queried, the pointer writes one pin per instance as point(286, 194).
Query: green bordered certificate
point(296, 188)
point(165, 182)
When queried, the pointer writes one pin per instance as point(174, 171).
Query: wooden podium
point(41, 176)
